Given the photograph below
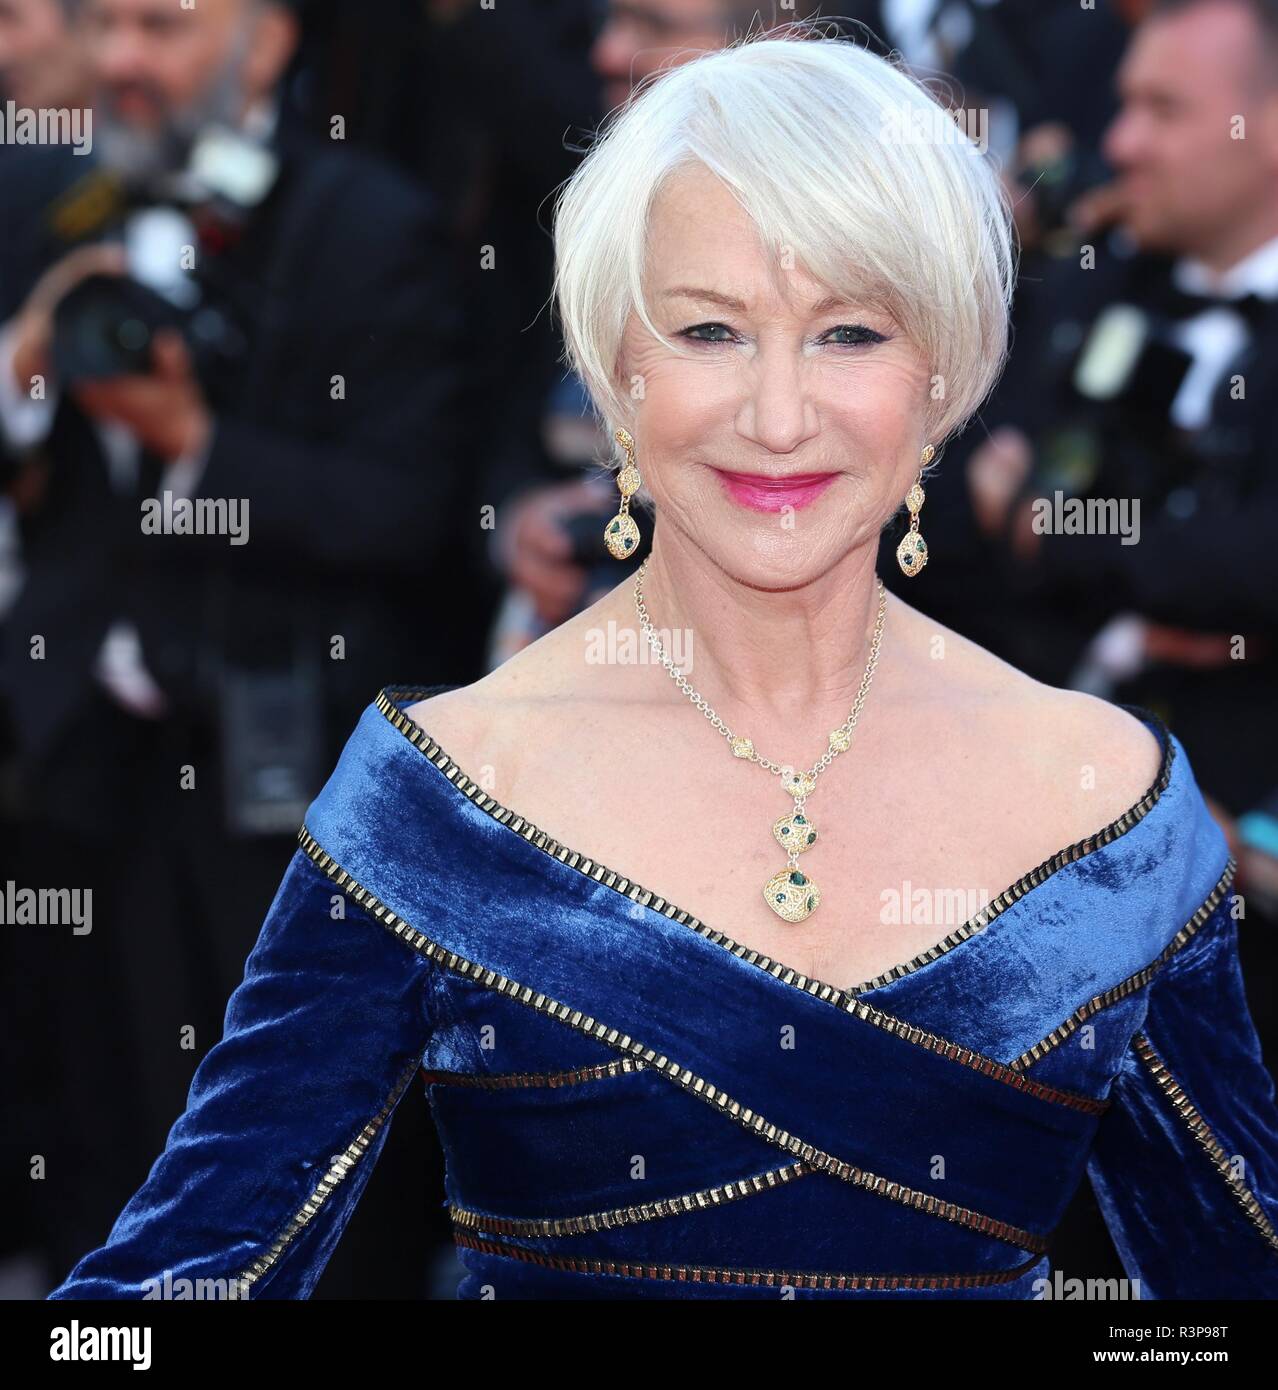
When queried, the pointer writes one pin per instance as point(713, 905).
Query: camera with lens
point(105, 325)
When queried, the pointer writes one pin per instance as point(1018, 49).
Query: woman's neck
point(774, 655)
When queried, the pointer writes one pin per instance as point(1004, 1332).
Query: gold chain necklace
point(790, 893)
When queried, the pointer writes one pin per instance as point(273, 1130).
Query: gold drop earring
point(911, 554)
point(621, 535)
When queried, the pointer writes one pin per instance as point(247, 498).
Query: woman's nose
point(777, 411)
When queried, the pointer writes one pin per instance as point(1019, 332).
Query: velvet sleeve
point(286, 1114)
point(1185, 1164)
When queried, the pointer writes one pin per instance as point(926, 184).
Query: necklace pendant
point(799, 784)
point(795, 832)
point(792, 895)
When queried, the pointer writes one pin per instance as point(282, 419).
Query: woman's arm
point(1185, 1164)
point(286, 1115)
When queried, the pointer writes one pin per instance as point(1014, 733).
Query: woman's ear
point(622, 416)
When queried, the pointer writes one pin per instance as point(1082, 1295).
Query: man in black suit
point(179, 695)
point(1146, 372)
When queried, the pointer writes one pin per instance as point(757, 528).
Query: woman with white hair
point(664, 908)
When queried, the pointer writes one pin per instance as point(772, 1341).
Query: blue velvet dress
point(633, 1105)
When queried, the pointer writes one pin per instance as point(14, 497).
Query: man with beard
point(224, 320)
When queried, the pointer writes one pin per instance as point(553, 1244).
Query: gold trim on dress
point(468, 1220)
point(1201, 1131)
point(849, 1003)
point(610, 878)
point(766, 1278)
point(340, 1169)
point(978, 1061)
point(1133, 982)
point(681, 1076)
point(511, 1080)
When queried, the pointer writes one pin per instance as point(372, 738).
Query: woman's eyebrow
point(711, 296)
point(726, 301)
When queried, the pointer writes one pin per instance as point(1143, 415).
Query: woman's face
point(778, 385)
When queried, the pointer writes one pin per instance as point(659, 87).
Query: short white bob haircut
point(841, 159)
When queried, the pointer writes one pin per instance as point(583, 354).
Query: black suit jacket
point(1209, 496)
point(1205, 559)
point(338, 425)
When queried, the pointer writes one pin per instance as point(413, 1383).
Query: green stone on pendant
point(780, 895)
point(788, 833)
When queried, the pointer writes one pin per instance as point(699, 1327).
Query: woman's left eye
point(857, 333)
point(695, 332)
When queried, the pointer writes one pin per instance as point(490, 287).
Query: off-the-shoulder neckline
point(392, 700)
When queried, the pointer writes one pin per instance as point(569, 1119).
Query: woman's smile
point(762, 492)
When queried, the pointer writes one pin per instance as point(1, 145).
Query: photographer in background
point(1147, 373)
point(42, 66)
point(219, 312)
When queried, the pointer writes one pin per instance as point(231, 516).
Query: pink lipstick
point(762, 493)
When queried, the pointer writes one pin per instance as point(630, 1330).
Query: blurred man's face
point(639, 36)
point(1186, 182)
point(155, 58)
point(41, 63)
point(165, 71)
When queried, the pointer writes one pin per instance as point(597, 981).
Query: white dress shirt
point(1213, 340)
point(1215, 337)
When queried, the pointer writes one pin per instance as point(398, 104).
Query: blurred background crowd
point(306, 262)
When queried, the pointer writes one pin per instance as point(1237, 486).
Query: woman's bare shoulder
point(1075, 759)
point(1081, 763)
point(1095, 745)
point(463, 721)
point(487, 724)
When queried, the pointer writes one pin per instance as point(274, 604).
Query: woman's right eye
point(697, 330)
